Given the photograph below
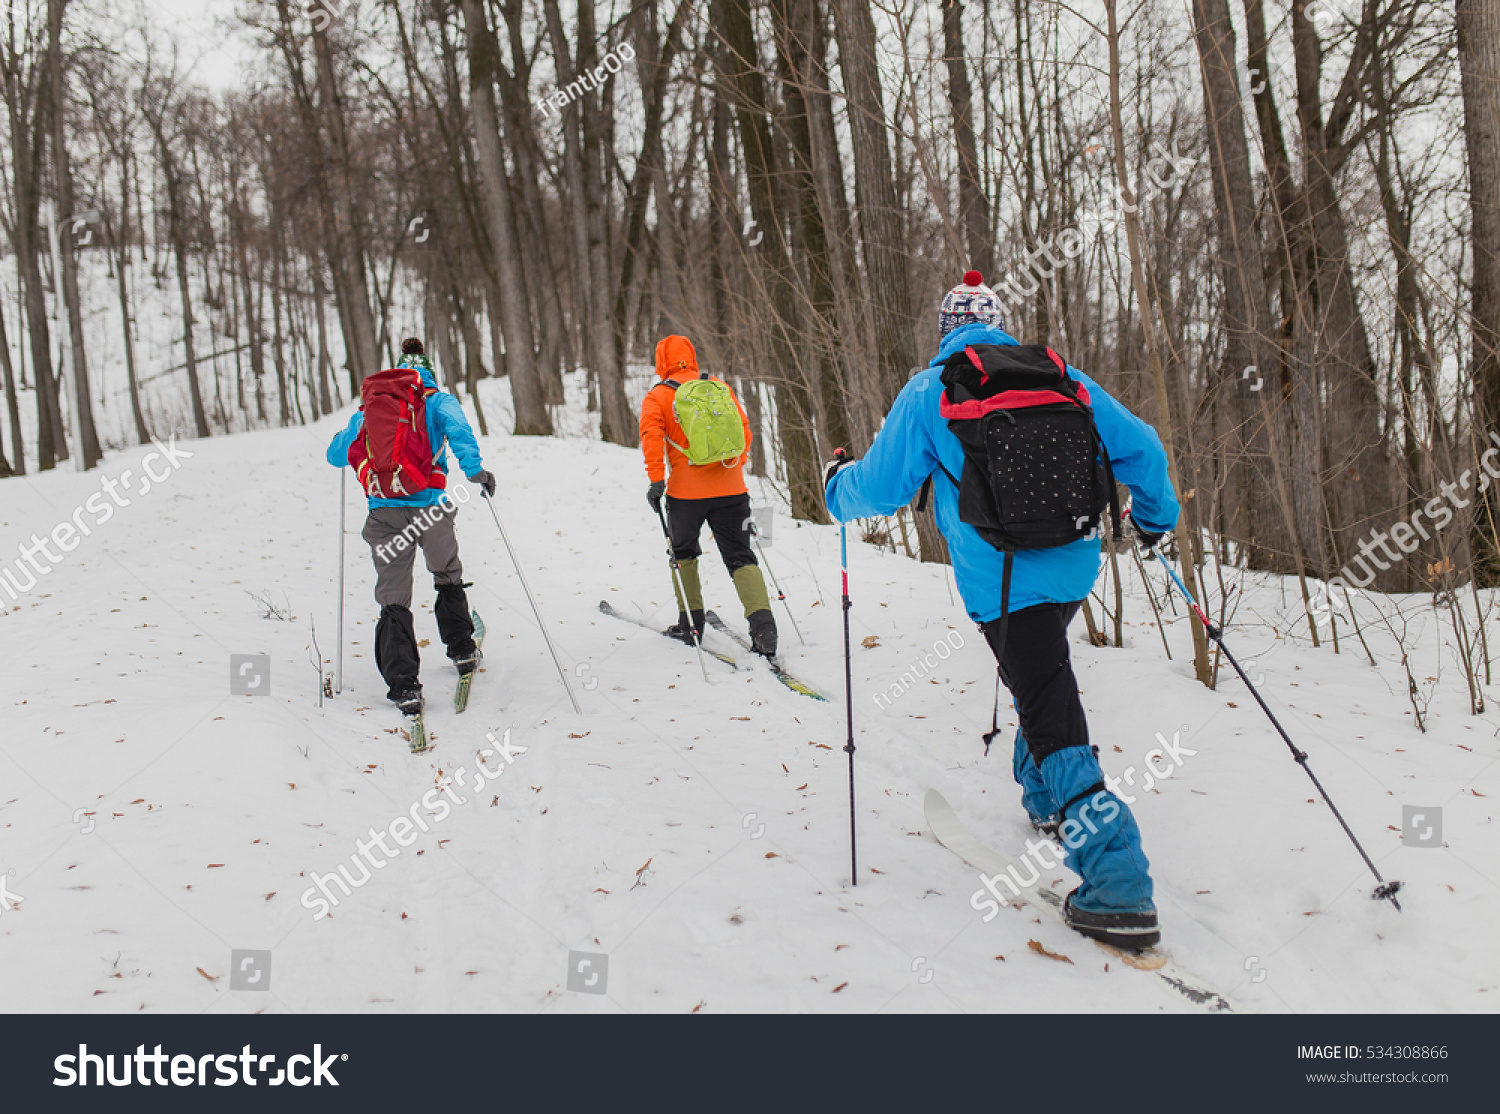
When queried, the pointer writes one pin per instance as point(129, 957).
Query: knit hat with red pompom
point(969, 302)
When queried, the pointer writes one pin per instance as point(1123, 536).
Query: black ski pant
point(728, 516)
point(1038, 671)
point(394, 535)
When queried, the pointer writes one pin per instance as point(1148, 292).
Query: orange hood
point(675, 356)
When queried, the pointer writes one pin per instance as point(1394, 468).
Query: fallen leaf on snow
point(1036, 946)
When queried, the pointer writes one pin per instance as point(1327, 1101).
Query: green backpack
point(706, 410)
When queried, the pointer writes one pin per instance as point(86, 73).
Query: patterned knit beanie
point(968, 302)
point(412, 355)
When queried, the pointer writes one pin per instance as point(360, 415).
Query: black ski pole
point(1384, 889)
point(849, 706)
point(682, 591)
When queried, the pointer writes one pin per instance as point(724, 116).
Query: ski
point(416, 733)
point(605, 607)
point(949, 830)
point(782, 675)
point(466, 680)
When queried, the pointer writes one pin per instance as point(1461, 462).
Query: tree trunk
point(12, 405)
point(793, 24)
point(794, 410)
point(1479, 61)
point(1187, 530)
point(24, 111)
point(62, 182)
point(1249, 338)
point(347, 230)
point(973, 209)
point(881, 228)
point(532, 416)
point(880, 217)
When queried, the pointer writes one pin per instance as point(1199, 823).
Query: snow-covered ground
point(695, 834)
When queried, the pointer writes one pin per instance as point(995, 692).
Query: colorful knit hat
point(969, 302)
point(412, 355)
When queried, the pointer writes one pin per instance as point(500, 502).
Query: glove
point(654, 494)
point(1147, 539)
point(841, 457)
point(486, 480)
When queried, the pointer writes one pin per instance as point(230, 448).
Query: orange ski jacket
point(677, 360)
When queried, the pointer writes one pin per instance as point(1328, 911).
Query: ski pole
point(755, 536)
point(682, 591)
point(532, 600)
point(338, 666)
point(849, 704)
point(1384, 889)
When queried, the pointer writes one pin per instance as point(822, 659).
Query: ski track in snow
point(210, 809)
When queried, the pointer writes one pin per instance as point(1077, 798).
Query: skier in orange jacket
point(698, 493)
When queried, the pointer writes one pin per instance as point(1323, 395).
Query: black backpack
point(1036, 474)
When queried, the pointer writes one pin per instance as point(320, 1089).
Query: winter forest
point(1253, 222)
point(1269, 228)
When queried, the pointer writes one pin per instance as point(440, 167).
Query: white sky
point(217, 58)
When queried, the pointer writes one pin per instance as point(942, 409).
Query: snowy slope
point(210, 810)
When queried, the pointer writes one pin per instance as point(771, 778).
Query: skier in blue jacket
point(396, 528)
point(1062, 783)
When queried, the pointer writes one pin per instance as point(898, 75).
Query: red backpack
point(391, 454)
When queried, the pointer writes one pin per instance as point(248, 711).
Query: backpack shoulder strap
point(668, 383)
point(927, 486)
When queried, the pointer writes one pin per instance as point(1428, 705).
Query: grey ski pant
point(395, 533)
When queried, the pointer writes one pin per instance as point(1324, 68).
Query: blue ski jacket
point(915, 437)
point(447, 427)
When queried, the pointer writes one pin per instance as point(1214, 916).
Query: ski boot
point(1049, 827)
point(763, 633)
point(1131, 931)
point(685, 631)
point(409, 701)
